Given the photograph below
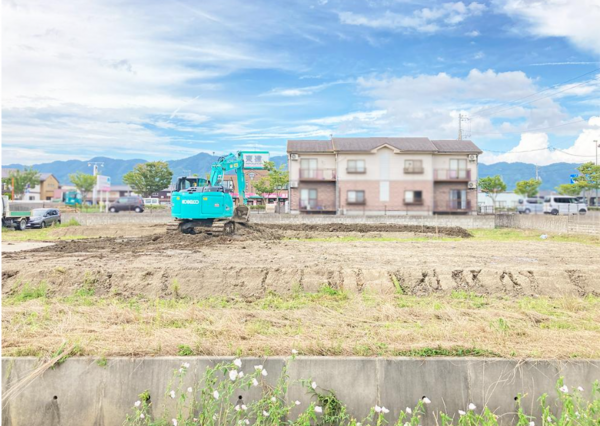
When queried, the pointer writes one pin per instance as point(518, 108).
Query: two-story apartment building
point(382, 176)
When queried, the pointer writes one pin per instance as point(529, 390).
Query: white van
point(564, 204)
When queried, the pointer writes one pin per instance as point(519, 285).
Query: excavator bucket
point(241, 214)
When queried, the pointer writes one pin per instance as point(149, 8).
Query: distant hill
point(552, 175)
point(199, 163)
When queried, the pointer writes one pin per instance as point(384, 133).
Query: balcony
point(356, 202)
point(454, 206)
point(323, 175)
point(414, 202)
point(414, 170)
point(356, 171)
point(445, 175)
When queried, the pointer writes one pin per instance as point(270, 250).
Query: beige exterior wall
point(383, 165)
point(48, 187)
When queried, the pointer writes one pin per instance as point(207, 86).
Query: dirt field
point(328, 289)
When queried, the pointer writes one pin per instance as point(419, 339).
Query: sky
point(162, 80)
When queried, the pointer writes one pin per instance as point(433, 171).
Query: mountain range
point(552, 175)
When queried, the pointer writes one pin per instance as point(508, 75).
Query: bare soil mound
point(454, 231)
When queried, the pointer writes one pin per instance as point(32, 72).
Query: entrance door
point(458, 199)
point(308, 168)
point(308, 199)
point(458, 169)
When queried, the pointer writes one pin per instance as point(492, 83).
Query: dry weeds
point(327, 323)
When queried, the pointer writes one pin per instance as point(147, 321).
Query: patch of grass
point(351, 238)
point(102, 362)
point(511, 235)
point(29, 292)
point(45, 234)
point(453, 351)
point(184, 350)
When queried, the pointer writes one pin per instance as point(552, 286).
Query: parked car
point(134, 204)
point(564, 204)
point(41, 218)
point(530, 205)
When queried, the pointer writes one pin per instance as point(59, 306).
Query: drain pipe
point(337, 195)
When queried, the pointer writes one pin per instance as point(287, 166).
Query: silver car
point(40, 218)
point(530, 205)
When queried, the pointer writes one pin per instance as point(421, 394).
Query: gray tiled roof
point(44, 176)
point(6, 172)
point(368, 144)
point(456, 146)
point(413, 144)
point(309, 146)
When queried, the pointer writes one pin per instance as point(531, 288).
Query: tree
point(22, 178)
point(275, 181)
point(589, 177)
point(569, 189)
point(492, 186)
point(528, 188)
point(148, 178)
point(84, 183)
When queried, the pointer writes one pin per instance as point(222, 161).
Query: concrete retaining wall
point(80, 392)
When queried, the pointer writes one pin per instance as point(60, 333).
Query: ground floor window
point(413, 197)
point(308, 199)
point(458, 198)
point(356, 197)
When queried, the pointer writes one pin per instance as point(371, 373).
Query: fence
point(565, 224)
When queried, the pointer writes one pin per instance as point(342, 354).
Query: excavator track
point(216, 228)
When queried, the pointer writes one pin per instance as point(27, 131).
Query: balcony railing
point(316, 206)
point(356, 171)
point(414, 170)
point(452, 175)
point(317, 174)
point(356, 202)
point(454, 206)
point(414, 203)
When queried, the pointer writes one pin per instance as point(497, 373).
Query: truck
point(14, 219)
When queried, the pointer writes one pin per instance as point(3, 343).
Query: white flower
point(142, 416)
point(377, 409)
point(408, 410)
point(244, 407)
point(238, 408)
point(384, 410)
point(564, 389)
point(579, 388)
point(406, 424)
point(294, 351)
point(190, 390)
point(577, 414)
point(233, 374)
point(214, 417)
point(181, 370)
point(318, 409)
point(258, 367)
point(254, 382)
point(461, 412)
point(531, 423)
point(172, 393)
point(241, 374)
point(174, 422)
point(426, 400)
point(186, 365)
point(273, 399)
point(472, 406)
point(297, 402)
point(247, 421)
point(313, 385)
point(138, 403)
point(549, 419)
point(264, 372)
point(265, 413)
point(238, 362)
point(216, 394)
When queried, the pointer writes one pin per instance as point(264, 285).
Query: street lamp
point(597, 145)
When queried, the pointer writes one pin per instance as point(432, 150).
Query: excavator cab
point(186, 182)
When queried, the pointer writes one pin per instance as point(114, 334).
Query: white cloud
point(473, 33)
point(426, 20)
point(576, 20)
point(304, 91)
point(537, 148)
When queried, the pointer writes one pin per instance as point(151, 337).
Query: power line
point(543, 97)
point(548, 148)
point(568, 153)
point(534, 130)
point(537, 93)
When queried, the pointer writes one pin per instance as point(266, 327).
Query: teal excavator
point(208, 206)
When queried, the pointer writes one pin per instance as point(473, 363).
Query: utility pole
point(597, 145)
point(462, 118)
point(95, 164)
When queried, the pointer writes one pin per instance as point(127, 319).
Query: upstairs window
point(356, 166)
point(413, 197)
point(413, 166)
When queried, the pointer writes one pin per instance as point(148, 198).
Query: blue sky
point(166, 80)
